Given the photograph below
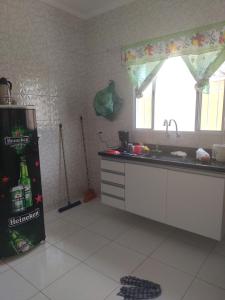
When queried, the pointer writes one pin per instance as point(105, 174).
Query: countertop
point(170, 160)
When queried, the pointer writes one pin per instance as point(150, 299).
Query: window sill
point(182, 132)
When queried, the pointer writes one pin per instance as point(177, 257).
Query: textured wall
point(58, 62)
point(138, 21)
point(42, 53)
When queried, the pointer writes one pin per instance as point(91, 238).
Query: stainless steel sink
point(164, 157)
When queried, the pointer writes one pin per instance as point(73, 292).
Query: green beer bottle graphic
point(18, 201)
point(26, 183)
point(19, 243)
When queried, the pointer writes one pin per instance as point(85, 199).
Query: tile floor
point(90, 247)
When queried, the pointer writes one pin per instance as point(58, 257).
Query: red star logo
point(37, 163)
point(39, 199)
point(5, 179)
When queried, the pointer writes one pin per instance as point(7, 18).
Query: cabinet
point(112, 183)
point(195, 203)
point(182, 198)
point(145, 191)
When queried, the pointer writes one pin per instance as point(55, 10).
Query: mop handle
point(85, 151)
point(64, 161)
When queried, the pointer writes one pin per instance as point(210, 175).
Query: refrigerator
point(21, 200)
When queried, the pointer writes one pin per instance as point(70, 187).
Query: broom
point(90, 193)
point(69, 203)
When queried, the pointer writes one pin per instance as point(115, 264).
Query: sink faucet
point(166, 123)
point(170, 122)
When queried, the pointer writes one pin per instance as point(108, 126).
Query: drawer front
point(112, 166)
point(114, 178)
point(112, 190)
point(113, 202)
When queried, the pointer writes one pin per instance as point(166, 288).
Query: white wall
point(106, 34)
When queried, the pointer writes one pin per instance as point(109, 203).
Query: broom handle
point(64, 161)
point(85, 151)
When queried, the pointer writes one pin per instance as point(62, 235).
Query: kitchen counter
point(170, 160)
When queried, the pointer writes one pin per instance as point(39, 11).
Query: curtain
point(203, 50)
point(203, 66)
point(142, 75)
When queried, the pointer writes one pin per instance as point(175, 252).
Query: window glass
point(172, 95)
point(144, 109)
point(175, 96)
point(212, 103)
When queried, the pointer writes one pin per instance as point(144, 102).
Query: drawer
point(112, 166)
point(112, 190)
point(113, 202)
point(114, 178)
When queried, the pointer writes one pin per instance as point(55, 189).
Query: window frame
point(198, 110)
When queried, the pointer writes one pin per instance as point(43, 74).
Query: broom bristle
point(89, 195)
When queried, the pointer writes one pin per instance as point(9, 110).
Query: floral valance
point(196, 41)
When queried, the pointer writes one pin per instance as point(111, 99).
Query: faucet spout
point(166, 123)
point(176, 126)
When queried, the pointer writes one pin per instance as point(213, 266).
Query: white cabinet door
point(195, 203)
point(146, 191)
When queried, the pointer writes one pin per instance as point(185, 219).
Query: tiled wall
point(42, 53)
point(129, 24)
point(58, 62)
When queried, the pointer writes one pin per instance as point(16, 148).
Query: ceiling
point(86, 9)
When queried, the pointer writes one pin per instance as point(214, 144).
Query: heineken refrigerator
point(21, 201)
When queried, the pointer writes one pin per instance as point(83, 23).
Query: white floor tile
point(81, 216)
point(99, 208)
point(220, 247)
point(176, 257)
point(128, 218)
point(58, 230)
point(3, 267)
point(193, 239)
point(82, 283)
point(113, 295)
point(15, 260)
point(82, 244)
point(51, 216)
point(144, 223)
point(110, 227)
point(144, 240)
point(39, 296)
point(180, 255)
point(14, 287)
point(202, 291)
point(115, 261)
point(173, 283)
point(213, 270)
point(45, 267)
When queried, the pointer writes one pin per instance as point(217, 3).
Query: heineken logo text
point(14, 141)
point(15, 221)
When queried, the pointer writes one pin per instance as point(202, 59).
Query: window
point(212, 103)
point(172, 95)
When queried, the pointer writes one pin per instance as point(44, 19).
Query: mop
point(69, 203)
